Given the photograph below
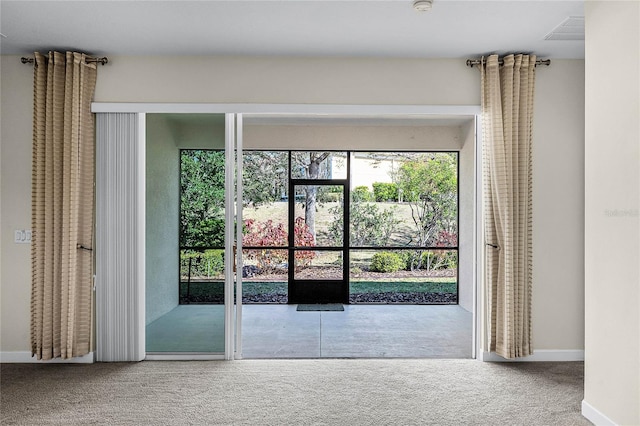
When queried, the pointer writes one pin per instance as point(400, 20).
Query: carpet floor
point(284, 392)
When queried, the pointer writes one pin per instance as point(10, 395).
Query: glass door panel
point(319, 215)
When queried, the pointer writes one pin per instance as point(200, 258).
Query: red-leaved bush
point(446, 239)
point(273, 235)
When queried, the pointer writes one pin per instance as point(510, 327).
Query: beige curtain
point(507, 113)
point(62, 202)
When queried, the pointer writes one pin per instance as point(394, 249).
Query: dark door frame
point(320, 290)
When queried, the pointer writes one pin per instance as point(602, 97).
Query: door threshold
point(176, 356)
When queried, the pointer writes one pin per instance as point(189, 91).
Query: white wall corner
point(595, 416)
point(542, 355)
point(24, 357)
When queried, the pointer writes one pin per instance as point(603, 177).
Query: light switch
point(22, 236)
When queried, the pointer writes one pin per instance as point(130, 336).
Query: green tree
point(370, 226)
point(429, 184)
point(264, 177)
point(201, 198)
point(312, 165)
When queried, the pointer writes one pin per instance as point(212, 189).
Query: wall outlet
point(22, 236)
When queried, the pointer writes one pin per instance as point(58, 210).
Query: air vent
point(571, 28)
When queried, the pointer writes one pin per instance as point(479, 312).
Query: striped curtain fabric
point(507, 114)
point(62, 202)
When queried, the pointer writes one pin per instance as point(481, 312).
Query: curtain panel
point(507, 116)
point(62, 205)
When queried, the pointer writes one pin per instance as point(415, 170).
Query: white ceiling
point(360, 28)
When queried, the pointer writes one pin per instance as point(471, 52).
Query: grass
point(402, 287)
point(434, 285)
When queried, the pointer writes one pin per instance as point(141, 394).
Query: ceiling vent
point(571, 28)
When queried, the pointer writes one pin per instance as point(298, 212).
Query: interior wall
point(355, 137)
point(288, 80)
point(467, 200)
point(162, 216)
point(558, 206)
point(16, 102)
point(197, 131)
point(612, 221)
point(558, 123)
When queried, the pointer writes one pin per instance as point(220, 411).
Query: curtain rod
point(472, 62)
point(103, 61)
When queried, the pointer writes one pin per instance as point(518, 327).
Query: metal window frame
point(347, 248)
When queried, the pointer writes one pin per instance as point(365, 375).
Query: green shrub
point(409, 259)
point(361, 193)
point(383, 191)
point(432, 260)
point(329, 197)
point(209, 263)
point(437, 260)
point(385, 261)
point(214, 261)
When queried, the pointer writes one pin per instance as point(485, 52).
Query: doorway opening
point(359, 256)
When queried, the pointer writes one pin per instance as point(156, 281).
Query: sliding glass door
point(208, 275)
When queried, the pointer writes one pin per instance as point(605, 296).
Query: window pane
point(319, 215)
point(403, 276)
point(265, 193)
point(264, 177)
point(404, 199)
point(201, 198)
point(318, 165)
point(264, 274)
point(202, 276)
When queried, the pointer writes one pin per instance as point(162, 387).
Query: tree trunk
point(311, 191)
point(311, 194)
point(310, 209)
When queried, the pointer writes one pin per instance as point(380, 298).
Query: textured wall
point(163, 207)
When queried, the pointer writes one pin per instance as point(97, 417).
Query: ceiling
point(357, 28)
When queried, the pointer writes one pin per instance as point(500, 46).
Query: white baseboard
point(556, 355)
point(595, 416)
point(25, 357)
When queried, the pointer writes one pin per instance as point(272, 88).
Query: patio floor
point(360, 331)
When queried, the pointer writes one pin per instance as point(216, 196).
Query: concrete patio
point(360, 331)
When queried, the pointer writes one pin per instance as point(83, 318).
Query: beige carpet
point(300, 392)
